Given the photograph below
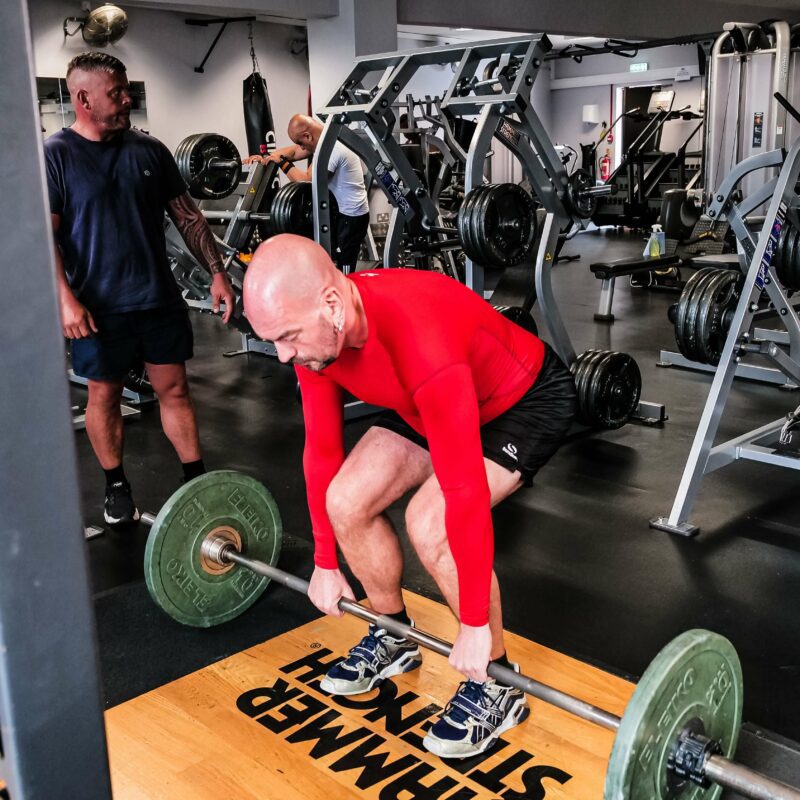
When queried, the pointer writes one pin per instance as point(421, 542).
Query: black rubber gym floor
point(580, 570)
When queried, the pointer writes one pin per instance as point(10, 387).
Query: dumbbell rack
point(503, 101)
point(757, 255)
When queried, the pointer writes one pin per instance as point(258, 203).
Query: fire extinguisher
point(605, 167)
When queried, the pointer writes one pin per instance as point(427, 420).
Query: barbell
point(212, 551)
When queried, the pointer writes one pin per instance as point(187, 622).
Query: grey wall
point(162, 51)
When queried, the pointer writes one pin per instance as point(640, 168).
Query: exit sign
point(642, 66)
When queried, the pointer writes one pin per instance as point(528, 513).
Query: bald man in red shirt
point(476, 405)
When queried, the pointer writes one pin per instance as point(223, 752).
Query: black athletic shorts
point(349, 235)
point(529, 433)
point(123, 341)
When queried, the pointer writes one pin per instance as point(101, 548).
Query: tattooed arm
point(192, 226)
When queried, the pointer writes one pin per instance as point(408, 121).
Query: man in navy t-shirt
point(109, 187)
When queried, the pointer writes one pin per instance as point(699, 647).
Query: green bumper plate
point(222, 501)
point(696, 676)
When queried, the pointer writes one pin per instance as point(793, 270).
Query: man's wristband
point(285, 165)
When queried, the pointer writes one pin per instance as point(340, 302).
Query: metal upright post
point(52, 742)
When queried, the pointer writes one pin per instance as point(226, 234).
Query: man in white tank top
point(345, 180)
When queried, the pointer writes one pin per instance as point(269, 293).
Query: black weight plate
point(585, 392)
point(681, 307)
point(583, 379)
point(585, 362)
point(720, 295)
point(478, 226)
point(592, 412)
point(578, 367)
point(686, 313)
point(615, 390)
point(792, 256)
point(473, 199)
point(205, 179)
point(510, 224)
point(463, 219)
point(582, 206)
point(694, 311)
point(779, 260)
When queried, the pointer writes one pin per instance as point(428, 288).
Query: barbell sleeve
point(747, 781)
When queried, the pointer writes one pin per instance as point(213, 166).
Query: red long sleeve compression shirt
point(445, 361)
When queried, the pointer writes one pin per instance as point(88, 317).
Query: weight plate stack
point(717, 301)
point(497, 225)
point(210, 164)
point(608, 385)
point(685, 313)
point(703, 313)
point(292, 209)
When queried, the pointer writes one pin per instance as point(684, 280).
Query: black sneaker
point(119, 508)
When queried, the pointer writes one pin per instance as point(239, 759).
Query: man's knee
point(170, 386)
point(345, 506)
point(105, 394)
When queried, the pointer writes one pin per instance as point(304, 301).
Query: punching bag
point(258, 124)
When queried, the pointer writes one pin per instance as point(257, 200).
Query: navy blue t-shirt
point(111, 198)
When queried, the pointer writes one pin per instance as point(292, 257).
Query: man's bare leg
point(104, 421)
point(426, 529)
point(177, 410)
point(381, 468)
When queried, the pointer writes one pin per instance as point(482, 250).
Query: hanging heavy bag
point(258, 124)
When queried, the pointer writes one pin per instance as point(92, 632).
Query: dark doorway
point(633, 125)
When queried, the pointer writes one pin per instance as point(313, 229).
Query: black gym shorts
point(529, 433)
point(123, 341)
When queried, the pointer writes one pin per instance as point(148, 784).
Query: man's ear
point(83, 98)
point(333, 304)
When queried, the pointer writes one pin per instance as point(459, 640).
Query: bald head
point(295, 297)
point(304, 131)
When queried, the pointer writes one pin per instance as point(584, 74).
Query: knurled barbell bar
point(211, 553)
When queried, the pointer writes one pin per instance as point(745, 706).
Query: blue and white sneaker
point(475, 718)
point(378, 656)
